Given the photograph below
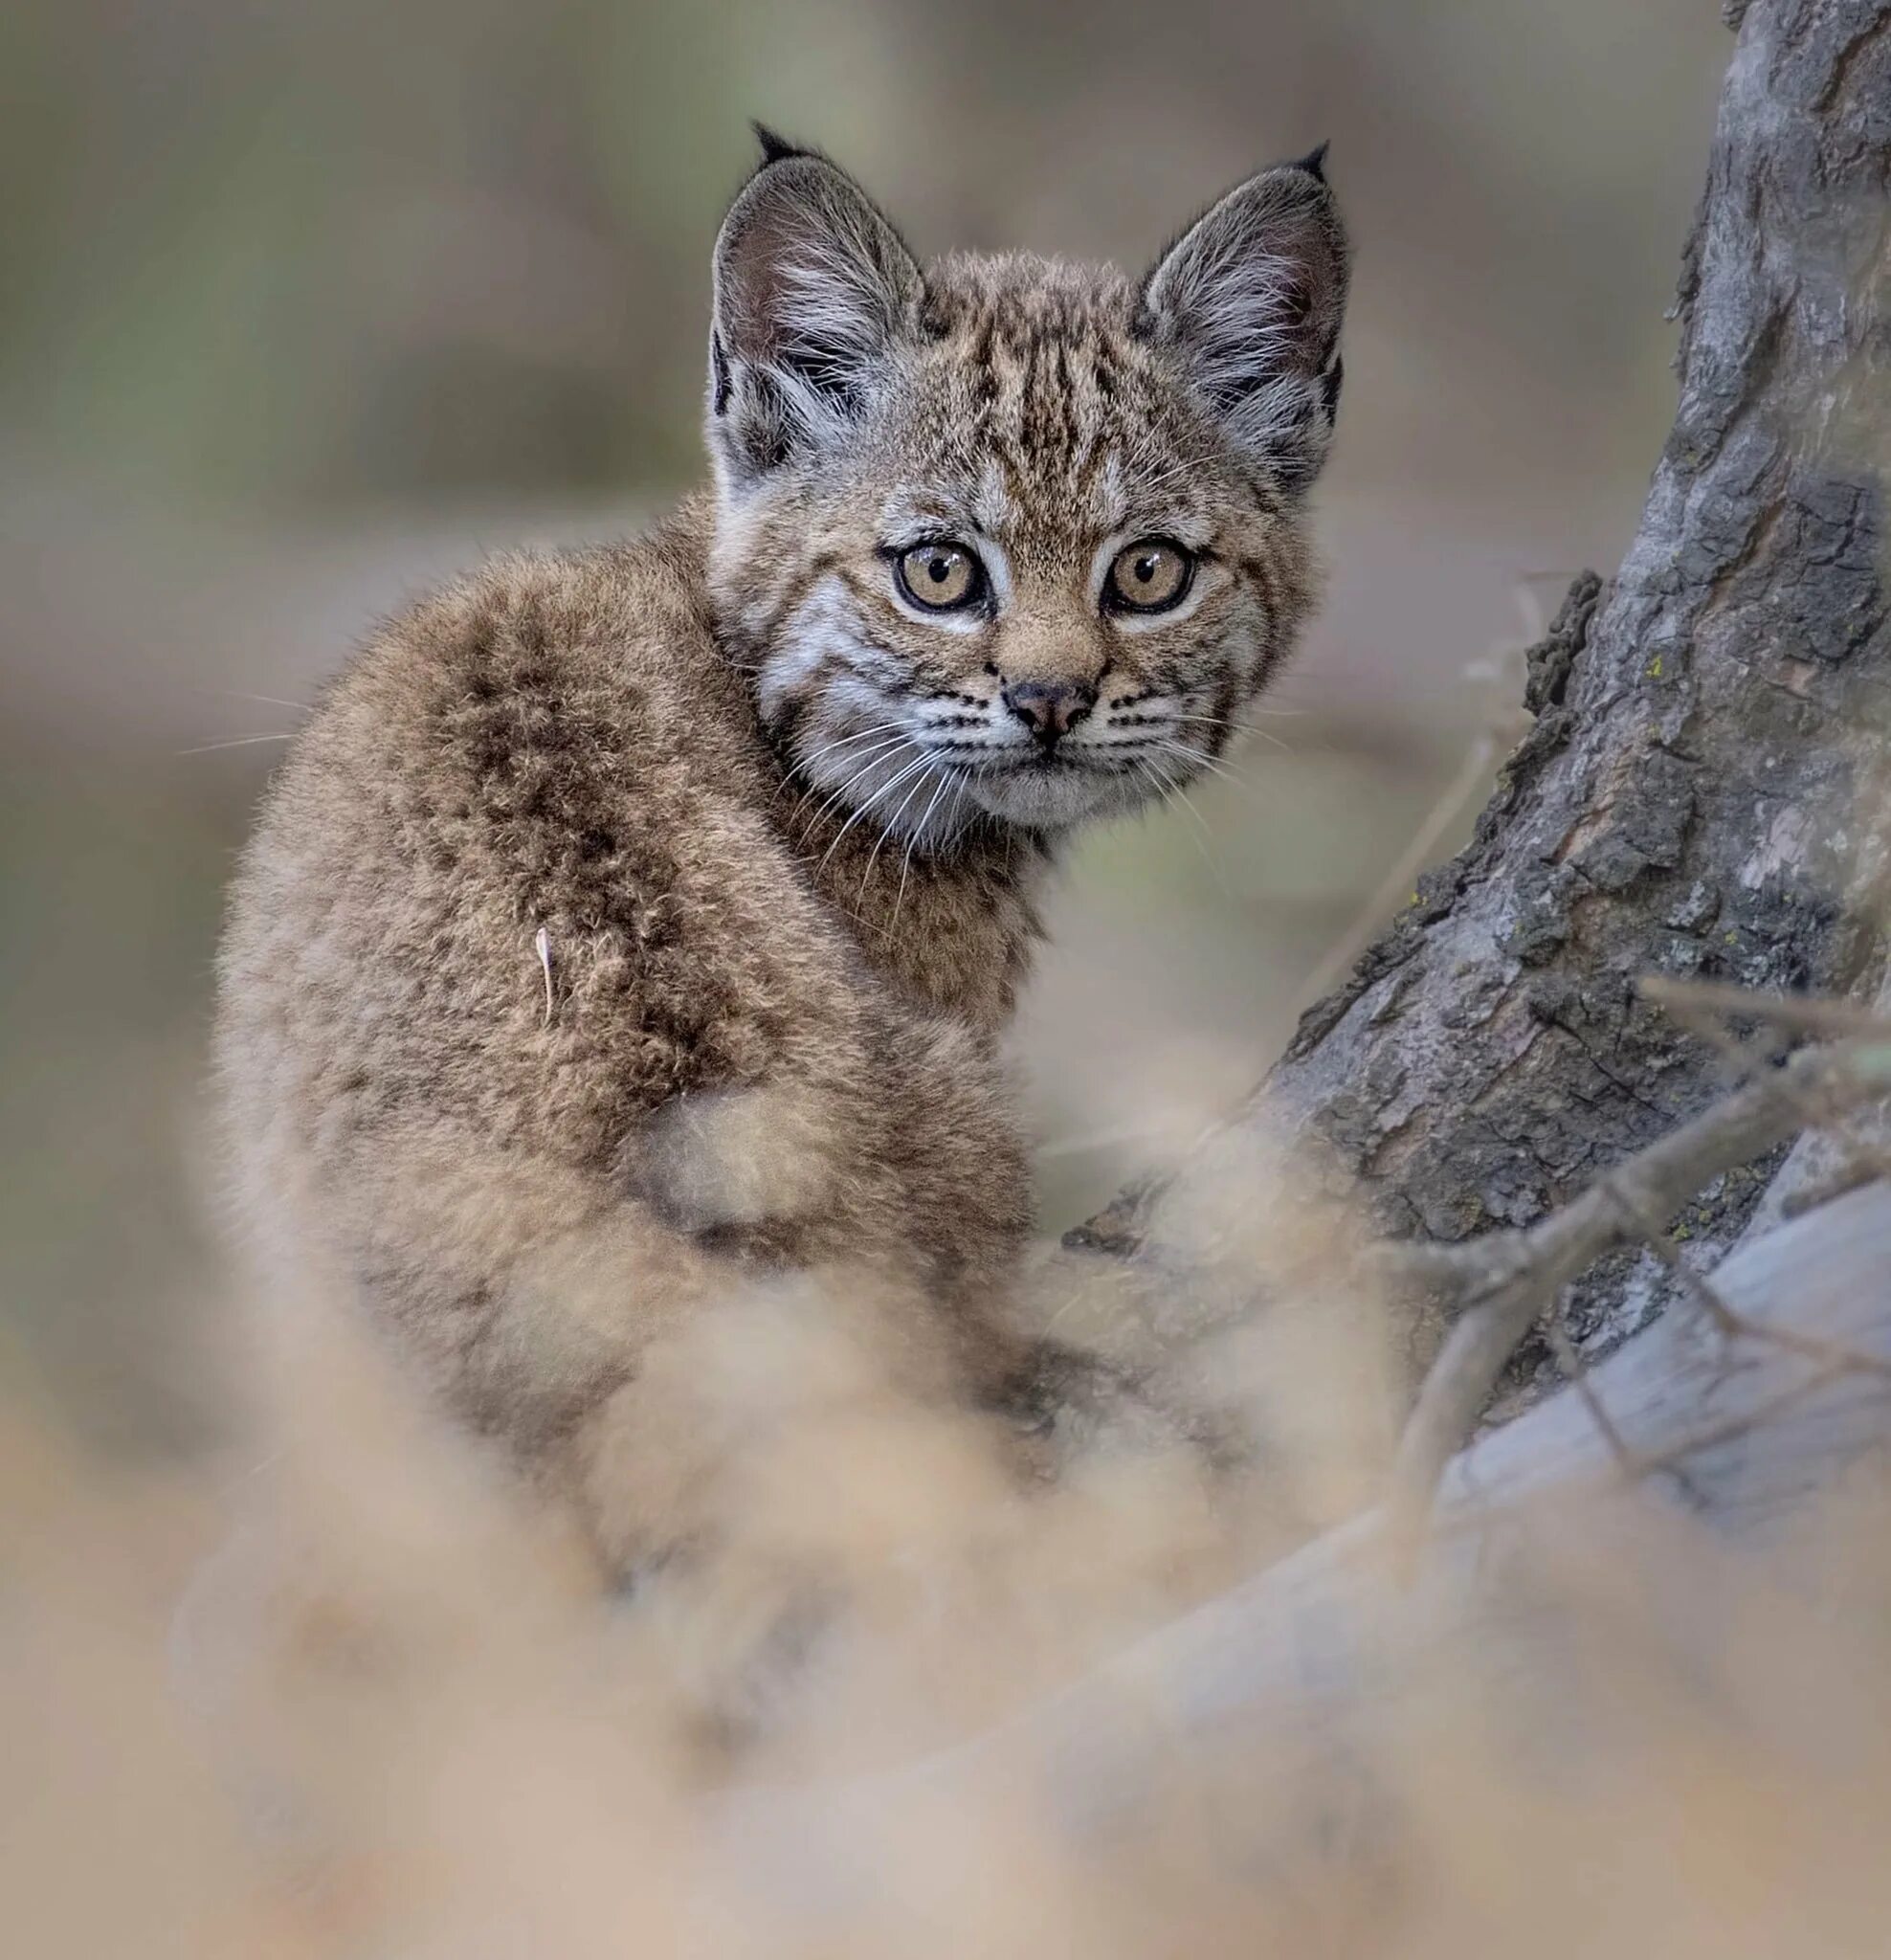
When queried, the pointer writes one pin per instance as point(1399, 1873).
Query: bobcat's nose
point(1050, 708)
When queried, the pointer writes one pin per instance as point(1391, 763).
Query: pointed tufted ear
point(1250, 301)
point(812, 286)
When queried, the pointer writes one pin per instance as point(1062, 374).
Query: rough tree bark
point(1703, 792)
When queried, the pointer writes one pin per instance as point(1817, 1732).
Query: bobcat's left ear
point(1250, 300)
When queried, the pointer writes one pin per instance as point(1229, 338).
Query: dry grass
point(393, 1716)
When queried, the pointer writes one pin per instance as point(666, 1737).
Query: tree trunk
point(1703, 790)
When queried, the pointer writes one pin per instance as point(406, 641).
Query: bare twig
point(1833, 1019)
point(1502, 725)
point(1504, 1279)
point(1703, 1005)
point(1472, 774)
point(1731, 1428)
point(1706, 1296)
point(1575, 1370)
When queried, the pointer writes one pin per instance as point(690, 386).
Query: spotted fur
point(629, 920)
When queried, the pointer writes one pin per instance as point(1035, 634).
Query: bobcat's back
point(532, 1025)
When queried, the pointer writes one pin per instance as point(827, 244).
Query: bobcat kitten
point(627, 920)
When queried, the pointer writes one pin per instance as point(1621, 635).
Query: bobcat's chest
point(953, 933)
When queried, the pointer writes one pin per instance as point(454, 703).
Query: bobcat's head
point(1005, 538)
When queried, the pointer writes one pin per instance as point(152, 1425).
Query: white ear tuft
point(812, 286)
point(1250, 300)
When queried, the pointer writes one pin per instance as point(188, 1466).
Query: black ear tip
point(1314, 163)
point(775, 148)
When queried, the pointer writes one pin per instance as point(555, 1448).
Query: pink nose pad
point(1050, 708)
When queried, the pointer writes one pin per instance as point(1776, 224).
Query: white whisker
point(1234, 727)
point(1197, 759)
point(269, 700)
point(875, 759)
point(888, 826)
point(235, 742)
point(923, 762)
point(1174, 795)
point(918, 831)
point(844, 740)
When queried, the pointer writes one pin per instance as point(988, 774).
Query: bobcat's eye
point(941, 577)
point(1148, 576)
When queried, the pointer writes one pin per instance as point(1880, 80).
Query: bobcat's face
point(1013, 539)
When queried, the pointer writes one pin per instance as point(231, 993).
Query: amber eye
point(941, 577)
point(1148, 576)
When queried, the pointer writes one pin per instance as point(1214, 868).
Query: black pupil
point(940, 569)
point(1145, 568)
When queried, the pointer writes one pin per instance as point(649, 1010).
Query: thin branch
point(1575, 1370)
point(1504, 1279)
point(1732, 1428)
point(1502, 727)
point(1473, 773)
point(1733, 1325)
point(1833, 1019)
point(1702, 1007)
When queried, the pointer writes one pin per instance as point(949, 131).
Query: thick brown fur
point(576, 970)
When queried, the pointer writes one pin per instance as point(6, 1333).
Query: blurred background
point(302, 307)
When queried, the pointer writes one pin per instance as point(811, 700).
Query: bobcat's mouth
point(1048, 790)
point(1034, 762)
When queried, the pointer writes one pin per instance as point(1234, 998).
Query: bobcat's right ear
point(812, 286)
